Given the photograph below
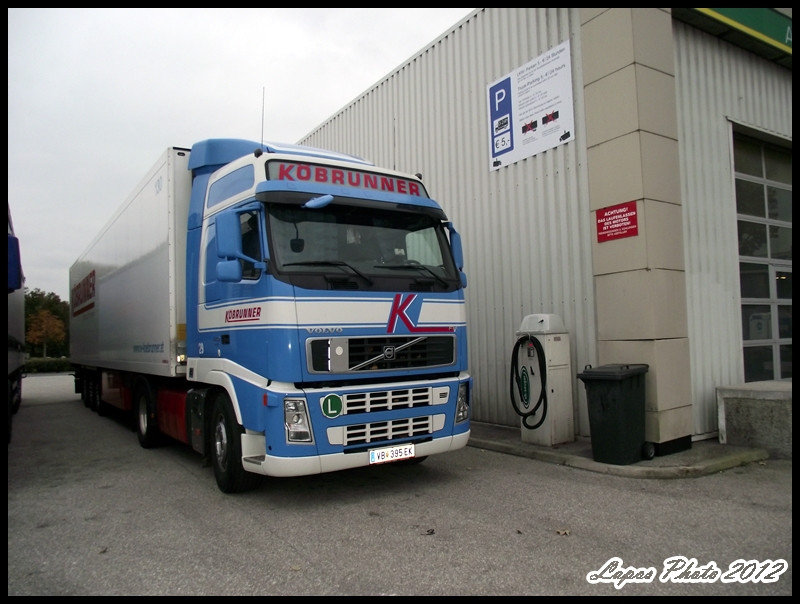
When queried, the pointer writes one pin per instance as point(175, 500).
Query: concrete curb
point(703, 467)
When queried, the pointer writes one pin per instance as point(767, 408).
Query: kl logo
point(399, 312)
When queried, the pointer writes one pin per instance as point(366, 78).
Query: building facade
point(657, 226)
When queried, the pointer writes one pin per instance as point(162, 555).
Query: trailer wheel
point(94, 393)
point(144, 410)
point(227, 449)
point(98, 405)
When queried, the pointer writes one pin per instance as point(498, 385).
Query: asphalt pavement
point(90, 512)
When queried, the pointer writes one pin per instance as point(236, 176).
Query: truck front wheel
point(226, 435)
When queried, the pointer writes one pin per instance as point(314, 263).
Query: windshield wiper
point(414, 265)
point(331, 263)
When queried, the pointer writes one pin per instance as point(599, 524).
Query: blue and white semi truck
point(284, 310)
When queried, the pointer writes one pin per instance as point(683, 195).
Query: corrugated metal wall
point(718, 83)
point(525, 228)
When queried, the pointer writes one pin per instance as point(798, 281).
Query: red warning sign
point(616, 222)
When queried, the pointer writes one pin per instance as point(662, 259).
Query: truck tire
point(94, 393)
point(144, 415)
point(226, 447)
point(98, 406)
point(15, 393)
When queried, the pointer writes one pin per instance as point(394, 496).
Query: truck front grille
point(382, 353)
point(360, 434)
point(386, 400)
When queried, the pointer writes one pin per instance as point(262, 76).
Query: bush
point(40, 365)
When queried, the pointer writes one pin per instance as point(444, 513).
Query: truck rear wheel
point(144, 413)
point(226, 442)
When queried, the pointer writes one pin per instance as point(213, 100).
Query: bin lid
point(613, 371)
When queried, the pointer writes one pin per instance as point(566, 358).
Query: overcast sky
point(96, 95)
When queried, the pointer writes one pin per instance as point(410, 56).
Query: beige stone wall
point(632, 137)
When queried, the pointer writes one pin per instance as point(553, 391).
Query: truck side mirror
point(458, 252)
point(229, 271)
point(229, 236)
point(14, 264)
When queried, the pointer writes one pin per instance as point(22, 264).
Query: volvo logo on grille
point(388, 352)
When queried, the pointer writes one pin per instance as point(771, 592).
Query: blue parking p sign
point(500, 118)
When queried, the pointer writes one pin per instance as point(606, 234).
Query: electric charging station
point(541, 381)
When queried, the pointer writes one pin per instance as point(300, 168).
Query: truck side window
point(251, 245)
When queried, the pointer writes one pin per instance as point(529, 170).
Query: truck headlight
point(295, 418)
point(462, 402)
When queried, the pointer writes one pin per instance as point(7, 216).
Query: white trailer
point(127, 290)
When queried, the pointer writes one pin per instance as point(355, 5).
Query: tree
point(45, 327)
point(51, 330)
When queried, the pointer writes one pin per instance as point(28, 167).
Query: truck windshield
point(368, 246)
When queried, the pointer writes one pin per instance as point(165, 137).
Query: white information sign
point(530, 109)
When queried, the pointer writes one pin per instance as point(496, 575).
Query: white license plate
point(388, 454)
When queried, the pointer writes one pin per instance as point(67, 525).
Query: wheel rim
point(221, 442)
point(143, 419)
